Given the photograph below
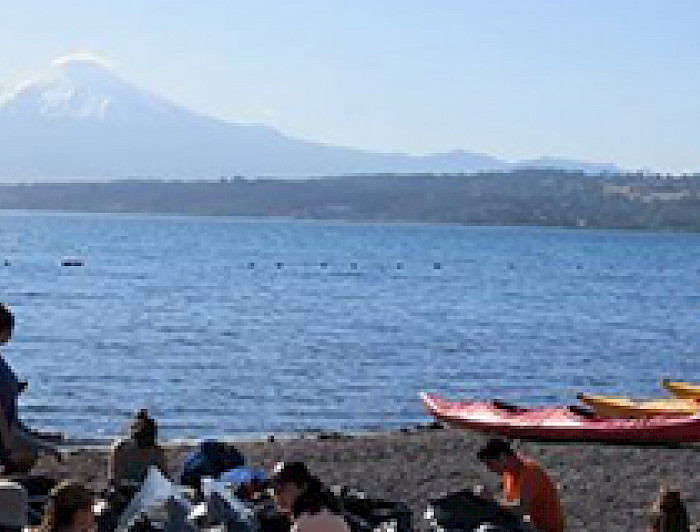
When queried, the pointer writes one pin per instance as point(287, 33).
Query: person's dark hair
point(494, 449)
point(669, 513)
point(144, 430)
point(7, 321)
point(314, 496)
point(65, 500)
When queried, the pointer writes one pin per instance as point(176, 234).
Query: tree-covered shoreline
point(523, 197)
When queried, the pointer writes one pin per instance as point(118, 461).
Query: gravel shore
point(603, 487)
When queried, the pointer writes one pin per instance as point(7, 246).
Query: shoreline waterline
point(339, 222)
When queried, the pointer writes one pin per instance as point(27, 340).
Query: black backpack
point(464, 511)
point(364, 514)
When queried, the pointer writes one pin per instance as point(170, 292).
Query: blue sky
point(615, 80)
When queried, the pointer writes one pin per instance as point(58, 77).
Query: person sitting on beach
point(669, 513)
point(131, 458)
point(302, 497)
point(128, 465)
point(69, 509)
point(19, 448)
point(527, 488)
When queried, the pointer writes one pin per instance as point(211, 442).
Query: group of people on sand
point(70, 505)
point(528, 490)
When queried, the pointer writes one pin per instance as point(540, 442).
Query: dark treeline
point(523, 197)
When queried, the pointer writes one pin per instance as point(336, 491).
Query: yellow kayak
point(623, 407)
point(683, 390)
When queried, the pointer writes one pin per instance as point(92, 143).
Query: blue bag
point(210, 460)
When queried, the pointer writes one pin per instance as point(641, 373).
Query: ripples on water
point(243, 327)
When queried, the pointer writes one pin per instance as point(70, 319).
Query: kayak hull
point(684, 390)
point(620, 407)
point(561, 424)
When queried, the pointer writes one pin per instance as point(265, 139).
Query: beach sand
point(603, 487)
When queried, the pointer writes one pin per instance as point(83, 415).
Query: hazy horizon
point(583, 80)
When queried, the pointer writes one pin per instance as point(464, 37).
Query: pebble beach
point(603, 487)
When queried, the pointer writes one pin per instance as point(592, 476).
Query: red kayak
point(561, 423)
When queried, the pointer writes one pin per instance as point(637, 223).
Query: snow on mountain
point(74, 89)
point(80, 121)
point(83, 87)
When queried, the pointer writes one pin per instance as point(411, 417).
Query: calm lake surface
point(230, 327)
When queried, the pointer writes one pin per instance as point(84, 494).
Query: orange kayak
point(614, 406)
point(682, 389)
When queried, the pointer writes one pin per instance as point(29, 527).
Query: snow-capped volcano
point(83, 87)
point(71, 88)
point(80, 120)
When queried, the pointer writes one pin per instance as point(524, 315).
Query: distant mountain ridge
point(80, 121)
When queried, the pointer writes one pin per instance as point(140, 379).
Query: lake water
point(231, 327)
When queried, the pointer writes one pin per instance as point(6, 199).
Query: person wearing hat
point(527, 488)
point(305, 500)
point(69, 509)
point(14, 506)
point(19, 449)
